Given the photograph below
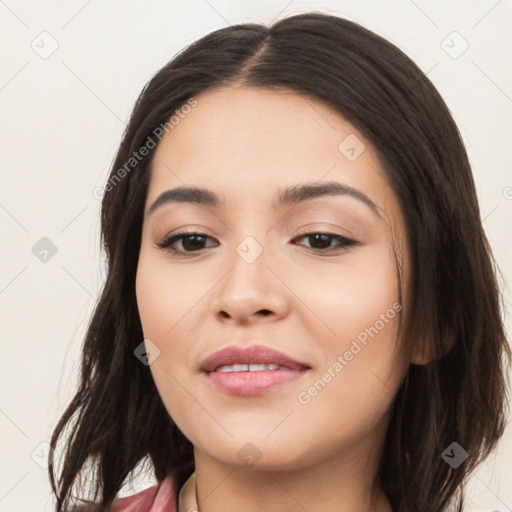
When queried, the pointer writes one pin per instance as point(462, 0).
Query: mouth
point(251, 371)
point(241, 367)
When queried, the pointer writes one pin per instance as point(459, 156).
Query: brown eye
point(190, 242)
point(322, 241)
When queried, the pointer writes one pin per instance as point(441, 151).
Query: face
point(311, 275)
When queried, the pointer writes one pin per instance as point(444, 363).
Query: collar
point(187, 498)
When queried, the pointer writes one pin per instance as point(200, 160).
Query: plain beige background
point(70, 74)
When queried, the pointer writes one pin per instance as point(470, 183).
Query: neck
point(345, 482)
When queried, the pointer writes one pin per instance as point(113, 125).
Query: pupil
point(321, 236)
point(192, 246)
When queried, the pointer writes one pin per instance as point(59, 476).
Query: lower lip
point(252, 383)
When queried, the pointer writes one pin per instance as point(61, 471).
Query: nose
point(250, 292)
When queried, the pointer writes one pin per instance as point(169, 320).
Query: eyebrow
point(289, 196)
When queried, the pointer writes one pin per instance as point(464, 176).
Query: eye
point(193, 242)
point(321, 242)
point(190, 242)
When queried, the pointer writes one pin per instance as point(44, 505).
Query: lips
point(251, 371)
point(255, 354)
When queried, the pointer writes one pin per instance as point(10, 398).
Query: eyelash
point(167, 242)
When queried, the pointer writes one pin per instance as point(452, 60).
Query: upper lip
point(255, 354)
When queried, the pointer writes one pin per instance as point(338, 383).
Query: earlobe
point(420, 356)
point(425, 353)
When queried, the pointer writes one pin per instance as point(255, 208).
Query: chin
point(256, 454)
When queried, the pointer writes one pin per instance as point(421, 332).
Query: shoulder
point(153, 499)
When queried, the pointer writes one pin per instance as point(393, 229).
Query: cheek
point(352, 391)
point(171, 307)
point(166, 299)
point(350, 296)
point(362, 365)
point(163, 303)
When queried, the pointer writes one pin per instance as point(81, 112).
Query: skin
point(246, 144)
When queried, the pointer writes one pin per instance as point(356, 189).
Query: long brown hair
point(117, 419)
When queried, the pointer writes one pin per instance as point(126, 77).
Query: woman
point(258, 364)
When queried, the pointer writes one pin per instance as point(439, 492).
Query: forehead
point(245, 143)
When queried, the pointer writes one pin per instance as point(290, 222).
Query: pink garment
point(149, 500)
